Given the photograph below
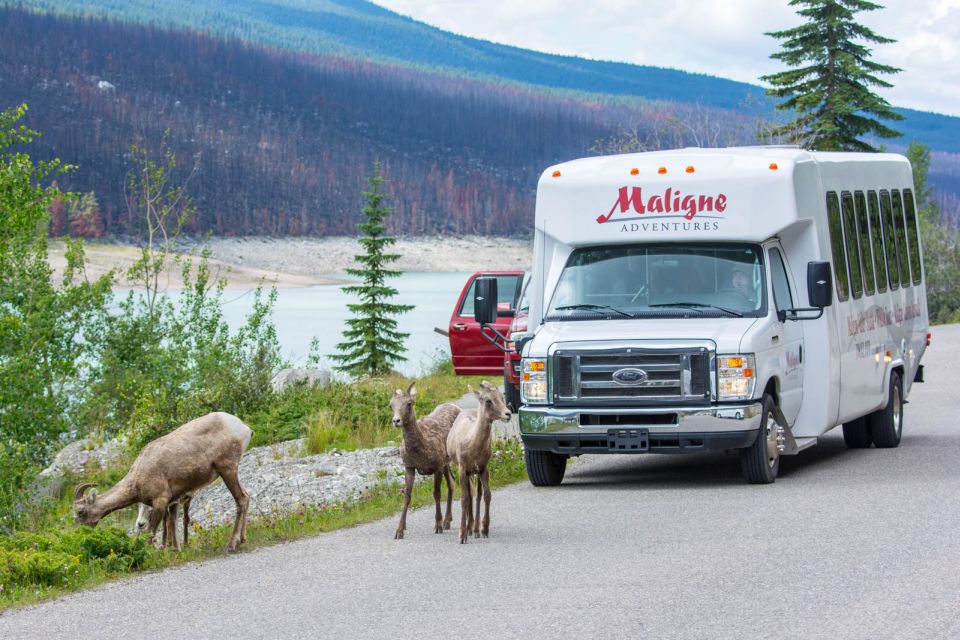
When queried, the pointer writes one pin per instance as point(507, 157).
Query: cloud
point(719, 38)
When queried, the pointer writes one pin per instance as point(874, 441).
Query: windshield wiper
point(697, 305)
point(594, 307)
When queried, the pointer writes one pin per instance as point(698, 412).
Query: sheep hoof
point(446, 525)
point(485, 534)
point(398, 535)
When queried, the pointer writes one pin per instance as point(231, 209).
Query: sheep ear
point(92, 496)
point(397, 393)
point(485, 384)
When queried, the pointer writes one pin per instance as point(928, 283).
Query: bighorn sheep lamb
point(169, 520)
point(174, 465)
point(424, 450)
point(468, 445)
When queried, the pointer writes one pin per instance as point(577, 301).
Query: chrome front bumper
point(661, 429)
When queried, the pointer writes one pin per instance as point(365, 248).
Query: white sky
point(719, 37)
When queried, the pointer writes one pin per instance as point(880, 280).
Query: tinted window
point(782, 297)
point(836, 243)
point(863, 239)
point(887, 212)
point(900, 232)
point(912, 239)
point(876, 237)
point(850, 238)
point(506, 294)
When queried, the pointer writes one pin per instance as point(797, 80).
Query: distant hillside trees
point(828, 84)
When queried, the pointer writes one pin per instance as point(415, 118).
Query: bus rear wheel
point(760, 462)
point(886, 425)
point(856, 434)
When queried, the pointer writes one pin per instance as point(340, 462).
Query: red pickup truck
point(473, 354)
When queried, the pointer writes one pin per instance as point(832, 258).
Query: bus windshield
point(658, 280)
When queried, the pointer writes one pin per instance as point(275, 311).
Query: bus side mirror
point(485, 301)
point(819, 284)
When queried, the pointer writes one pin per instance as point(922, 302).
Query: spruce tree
point(372, 343)
point(829, 85)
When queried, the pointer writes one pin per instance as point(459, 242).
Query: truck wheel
point(856, 434)
point(545, 468)
point(760, 462)
point(511, 394)
point(886, 425)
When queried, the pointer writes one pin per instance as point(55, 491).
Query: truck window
point(850, 239)
point(876, 237)
point(863, 239)
point(662, 281)
point(836, 243)
point(912, 239)
point(900, 232)
point(506, 294)
point(782, 297)
point(887, 212)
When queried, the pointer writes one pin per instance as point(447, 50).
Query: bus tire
point(760, 462)
point(886, 425)
point(544, 468)
point(511, 394)
point(856, 434)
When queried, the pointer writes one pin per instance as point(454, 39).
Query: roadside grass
point(36, 567)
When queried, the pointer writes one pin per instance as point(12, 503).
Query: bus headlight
point(533, 381)
point(736, 377)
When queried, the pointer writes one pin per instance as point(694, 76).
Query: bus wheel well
point(772, 388)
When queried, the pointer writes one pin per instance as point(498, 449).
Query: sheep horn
point(412, 385)
point(80, 489)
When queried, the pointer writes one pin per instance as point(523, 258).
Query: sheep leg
point(438, 520)
point(448, 518)
point(229, 475)
point(186, 520)
point(170, 526)
point(485, 529)
point(476, 520)
point(466, 505)
point(411, 473)
point(159, 506)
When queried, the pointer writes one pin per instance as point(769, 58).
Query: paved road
point(847, 544)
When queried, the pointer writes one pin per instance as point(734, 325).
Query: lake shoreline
point(306, 262)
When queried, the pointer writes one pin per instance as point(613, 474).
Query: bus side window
point(850, 238)
point(863, 239)
point(876, 235)
point(782, 297)
point(912, 240)
point(901, 236)
point(888, 241)
point(836, 243)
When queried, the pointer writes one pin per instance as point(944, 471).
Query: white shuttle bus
point(743, 298)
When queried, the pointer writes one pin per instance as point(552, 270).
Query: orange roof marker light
point(634, 171)
point(556, 174)
point(773, 166)
point(690, 169)
point(662, 170)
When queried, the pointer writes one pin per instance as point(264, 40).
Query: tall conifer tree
point(829, 84)
point(372, 343)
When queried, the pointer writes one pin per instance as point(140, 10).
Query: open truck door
point(472, 352)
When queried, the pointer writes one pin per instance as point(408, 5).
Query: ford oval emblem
point(630, 377)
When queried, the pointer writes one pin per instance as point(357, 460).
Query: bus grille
point(631, 377)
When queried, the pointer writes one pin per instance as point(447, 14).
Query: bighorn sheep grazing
point(468, 445)
point(172, 466)
point(424, 450)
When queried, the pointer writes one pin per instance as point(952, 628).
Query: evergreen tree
point(828, 85)
point(372, 343)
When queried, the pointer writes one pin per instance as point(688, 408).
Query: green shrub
point(44, 568)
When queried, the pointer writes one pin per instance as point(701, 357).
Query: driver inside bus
point(740, 282)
